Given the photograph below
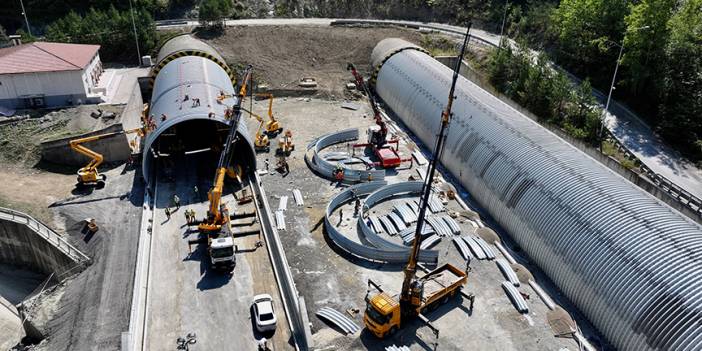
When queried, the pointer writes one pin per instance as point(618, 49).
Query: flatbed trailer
point(383, 314)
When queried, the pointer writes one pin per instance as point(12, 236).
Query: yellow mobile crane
point(89, 174)
point(220, 241)
point(385, 314)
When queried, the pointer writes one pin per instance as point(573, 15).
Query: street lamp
point(611, 87)
point(136, 37)
point(504, 19)
point(24, 13)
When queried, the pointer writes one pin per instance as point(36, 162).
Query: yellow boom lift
point(273, 127)
point(386, 314)
point(89, 174)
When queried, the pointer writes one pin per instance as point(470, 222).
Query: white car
point(263, 312)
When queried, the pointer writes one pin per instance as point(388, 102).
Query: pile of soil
point(282, 55)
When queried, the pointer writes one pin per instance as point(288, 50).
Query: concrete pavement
point(185, 296)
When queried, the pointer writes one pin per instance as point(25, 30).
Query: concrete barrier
point(113, 149)
point(26, 242)
point(295, 310)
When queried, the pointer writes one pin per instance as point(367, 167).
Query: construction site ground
point(282, 55)
point(91, 309)
point(185, 294)
point(329, 277)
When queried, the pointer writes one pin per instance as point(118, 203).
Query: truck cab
point(222, 254)
point(382, 315)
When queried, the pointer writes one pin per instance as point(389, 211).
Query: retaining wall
point(113, 149)
point(27, 243)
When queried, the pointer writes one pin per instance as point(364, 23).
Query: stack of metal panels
point(299, 201)
point(516, 297)
point(429, 242)
point(507, 271)
point(389, 226)
point(399, 223)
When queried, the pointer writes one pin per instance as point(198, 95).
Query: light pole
point(136, 37)
point(611, 87)
point(504, 19)
point(24, 13)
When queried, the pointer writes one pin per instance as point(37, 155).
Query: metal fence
point(42, 230)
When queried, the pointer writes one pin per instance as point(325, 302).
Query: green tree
point(644, 57)
point(681, 105)
point(4, 40)
point(112, 29)
point(582, 29)
point(214, 12)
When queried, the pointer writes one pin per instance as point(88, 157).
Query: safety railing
point(52, 237)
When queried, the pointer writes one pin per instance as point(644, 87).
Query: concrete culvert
point(188, 117)
point(488, 235)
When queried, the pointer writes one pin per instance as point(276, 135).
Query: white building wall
point(63, 86)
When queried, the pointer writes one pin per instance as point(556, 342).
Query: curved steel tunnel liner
point(629, 262)
point(374, 254)
point(190, 125)
point(186, 45)
point(326, 168)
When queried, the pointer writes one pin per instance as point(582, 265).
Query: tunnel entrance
point(194, 138)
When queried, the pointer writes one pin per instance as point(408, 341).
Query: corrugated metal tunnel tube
point(629, 262)
point(187, 80)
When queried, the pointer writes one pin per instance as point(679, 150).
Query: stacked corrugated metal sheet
point(630, 263)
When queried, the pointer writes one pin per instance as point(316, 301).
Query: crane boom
point(408, 296)
point(215, 219)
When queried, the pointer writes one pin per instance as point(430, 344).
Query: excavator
point(377, 134)
point(220, 241)
point(386, 314)
point(89, 174)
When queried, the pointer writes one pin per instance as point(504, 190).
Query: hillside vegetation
point(661, 67)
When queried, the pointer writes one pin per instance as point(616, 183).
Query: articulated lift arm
point(410, 298)
point(215, 219)
point(89, 172)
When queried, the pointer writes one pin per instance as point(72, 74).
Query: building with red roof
point(42, 74)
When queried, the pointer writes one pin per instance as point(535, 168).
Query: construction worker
point(168, 213)
point(263, 344)
point(176, 202)
point(267, 164)
point(187, 216)
point(197, 192)
point(357, 207)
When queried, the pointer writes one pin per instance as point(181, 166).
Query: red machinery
point(377, 134)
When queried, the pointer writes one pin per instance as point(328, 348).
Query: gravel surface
point(282, 55)
point(91, 310)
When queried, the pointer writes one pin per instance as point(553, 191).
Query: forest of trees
point(111, 28)
point(660, 76)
